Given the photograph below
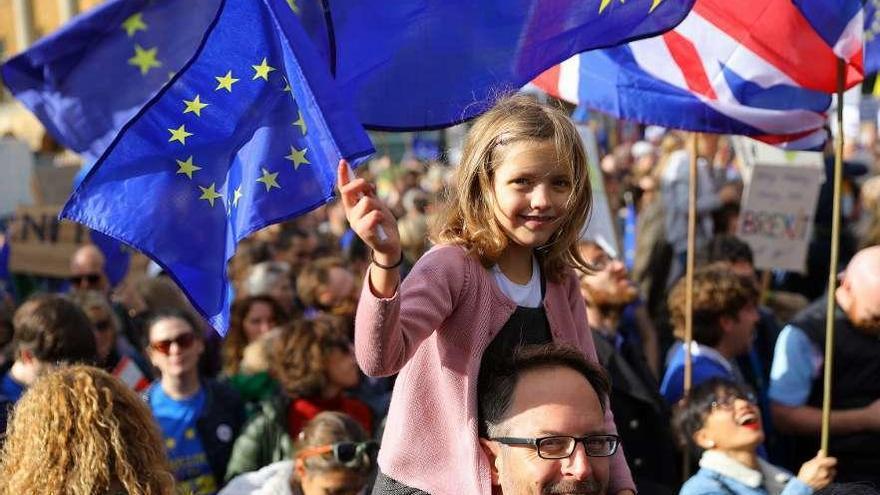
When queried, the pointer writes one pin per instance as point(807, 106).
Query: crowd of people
point(454, 329)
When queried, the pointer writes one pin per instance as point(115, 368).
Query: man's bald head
point(859, 291)
point(87, 269)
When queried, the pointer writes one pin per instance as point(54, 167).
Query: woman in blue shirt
point(720, 420)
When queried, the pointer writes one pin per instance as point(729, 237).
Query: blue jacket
point(721, 475)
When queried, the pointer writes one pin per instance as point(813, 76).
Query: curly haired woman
point(81, 431)
point(313, 362)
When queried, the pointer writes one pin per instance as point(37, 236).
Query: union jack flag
point(761, 68)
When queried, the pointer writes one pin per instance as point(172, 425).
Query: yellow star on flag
point(134, 23)
point(236, 195)
point(144, 59)
point(187, 167)
point(293, 6)
point(301, 123)
point(298, 157)
point(225, 82)
point(209, 194)
point(269, 180)
point(287, 88)
point(195, 106)
point(654, 5)
point(262, 70)
point(179, 134)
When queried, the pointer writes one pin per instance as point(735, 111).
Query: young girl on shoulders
point(501, 275)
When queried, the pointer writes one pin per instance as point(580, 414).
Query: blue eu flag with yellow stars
point(248, 133)
point(85, 81)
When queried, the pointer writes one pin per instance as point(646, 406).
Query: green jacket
point(263, 440)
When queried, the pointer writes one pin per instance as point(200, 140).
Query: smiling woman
point(720, 420)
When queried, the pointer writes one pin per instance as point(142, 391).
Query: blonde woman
point(80, 431)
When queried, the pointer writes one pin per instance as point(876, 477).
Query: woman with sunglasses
point(199, 418)
point(720, 421)
point(332, 455)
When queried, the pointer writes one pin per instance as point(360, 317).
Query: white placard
point(776, 218)
point(16, 168)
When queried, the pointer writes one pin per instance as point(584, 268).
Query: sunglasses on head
point(346, 453)
point(183, 341)
point(90, 278)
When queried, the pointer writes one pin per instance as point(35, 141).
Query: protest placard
point(600, 224)
point(40, 244)
point(779, 204)
point(17, 164)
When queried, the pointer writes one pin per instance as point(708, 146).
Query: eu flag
point(248, 133)
point(419, 64)
point(85, 81)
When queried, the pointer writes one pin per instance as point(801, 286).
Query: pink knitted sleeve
point(388, 331)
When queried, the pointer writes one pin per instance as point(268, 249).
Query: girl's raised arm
point(366, 213)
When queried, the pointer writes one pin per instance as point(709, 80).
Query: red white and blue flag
point(761, 68)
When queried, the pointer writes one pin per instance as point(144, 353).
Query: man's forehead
point(554, 400)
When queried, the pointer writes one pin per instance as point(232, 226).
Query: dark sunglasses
point(90, 278)
point(103, 326)
point(183, 341)
point(346, 453)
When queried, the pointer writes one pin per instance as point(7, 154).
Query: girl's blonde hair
point(468, 217)
point(79, 430)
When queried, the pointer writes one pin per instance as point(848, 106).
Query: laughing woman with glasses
point(720, 421)
point(199, 418)
point(332, 455)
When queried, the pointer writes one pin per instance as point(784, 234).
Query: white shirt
point(528, 295)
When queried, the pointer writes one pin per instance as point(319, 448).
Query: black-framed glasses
point(344, 452)
point(562, 446)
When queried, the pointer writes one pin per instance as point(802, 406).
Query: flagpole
point(689, 282)
point(832, 270)
point(689, 267)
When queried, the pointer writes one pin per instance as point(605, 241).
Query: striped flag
point(760, 68)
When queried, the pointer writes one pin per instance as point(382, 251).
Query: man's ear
point(491, 449)
point(843, 294)
point(726, 323)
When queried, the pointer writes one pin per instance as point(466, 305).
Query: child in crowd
point(500, 276)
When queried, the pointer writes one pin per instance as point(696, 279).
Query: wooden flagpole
point(689, 267)
point(689, 283)
point(832, 270)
